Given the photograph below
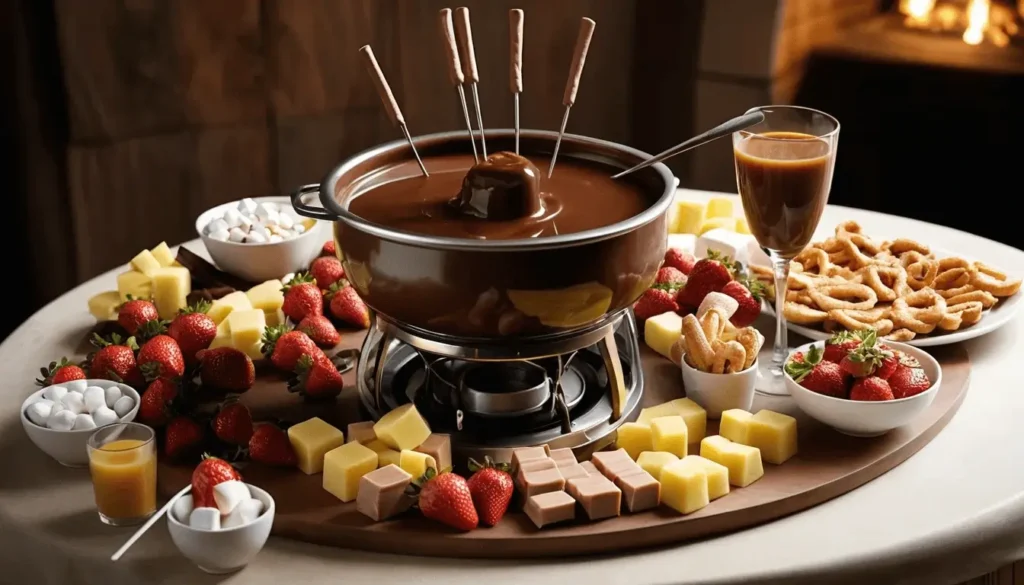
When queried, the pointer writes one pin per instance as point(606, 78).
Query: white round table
point(951, 512)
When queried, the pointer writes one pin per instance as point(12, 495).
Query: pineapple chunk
point(246, 328)
point(236, 301)
point(163, 254)
point(267, 296)
point(145, 263)
point(171, 286)
point(104, 305)
point(134, 283)
point(223, 337)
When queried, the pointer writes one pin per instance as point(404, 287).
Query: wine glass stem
point(780, 351)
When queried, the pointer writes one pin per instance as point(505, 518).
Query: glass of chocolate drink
point(784, 172)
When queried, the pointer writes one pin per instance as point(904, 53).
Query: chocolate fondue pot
point(494, 288)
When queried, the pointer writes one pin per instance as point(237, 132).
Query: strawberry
point(115, 360)
point(326, 270)
point(840, 344)
point(161, 357)
point(193, 329)
point(887, 368)
point(320, 330)
point(347, 306)
point(155, 402)
point(871, 388)
point(865, 359)
point(748, 294)
point(708, 275)
point(907, 359)
point(210, 472)
point(654, 301)
point(284, 347)
point(134, 313)
point(183, 436)
point(669, 275)
point(270, 445)
point(316, 379)
point(817, 375)
point(233, 424)
point(302, 298)
point(491, 487)
point(446, 498)
point(226, 368)
point(329, 249)
point(908, 381)
point(680, 260)
point(60, 372)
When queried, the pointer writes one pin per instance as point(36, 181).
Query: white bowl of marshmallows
point(60, 418)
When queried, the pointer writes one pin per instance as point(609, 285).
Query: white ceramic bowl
point(717, 393)
point(862, 418)
point(228, 550)
point(261, 262)
point(69, 447)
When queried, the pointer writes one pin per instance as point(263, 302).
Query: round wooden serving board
point(828, 465)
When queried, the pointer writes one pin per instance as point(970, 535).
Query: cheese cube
point(718, 476)
point(724, 241)
point(662, 331)
point(744, 462)
point(688, 217)
point(684, 487)
point(635, 439)
point(741, 226)
point(246, 327)
point(402, 428)
point(735, 425)
point(274, 318)
point(654, 461)
point(668, 434)
point(145, 263)
point(223, 337)
point(685, 242)
point(254, 351)
point(163, 254)
point(220, 308)
point(344, 466)
point(773, 434)
point(415, 463)
point(720, 207)
point(716, 223)
point(695, 416)
point(104, 305)
point(171, 286)
point(267, 297)
point(312, 439)
point(385, 455)
point(134, 283)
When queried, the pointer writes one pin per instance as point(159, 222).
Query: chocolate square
point(361, 432)
point(590, 468)
point(597, 495)
point(542, 481)
point(549, 508)
point(520, 456)
point(382, 493)
point(563, 457)
point(573, 471)
point(613, 464)
point(438, 446)
point(640, 491)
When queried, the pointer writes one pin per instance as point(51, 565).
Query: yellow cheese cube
point(720, 207)
point(415, 463)
point(402, 428)
point(717, 222)
point(312, 439)
point(689, 216)
point(741, 226)
point(223, 337)
point(773, 434)
point(385, 455)
point(744, 462)
point(145, 263)
point(684, 486)
point(654, 461)
point(267, 296)
point(668, 434)
point(104, 305)
point(254, 351)
point(695, 416)
point(718, 476)
point(163, 254)
point(236, 301)
point(171, 286)
point(344, 466)
point(246, 327)
point(635, 438)
point(662, 331)
point(274, 318)
point(735, 426)
point(134, 283)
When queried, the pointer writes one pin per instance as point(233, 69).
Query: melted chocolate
point(504, 187)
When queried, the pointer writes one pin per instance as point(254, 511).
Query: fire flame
point(977, 21)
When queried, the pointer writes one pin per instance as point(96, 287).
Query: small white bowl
point(69, 447)
point(224, 551)
point(262, 262)
point(863, 418)
point(717, 393)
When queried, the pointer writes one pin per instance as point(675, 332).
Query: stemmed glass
point(784, 173)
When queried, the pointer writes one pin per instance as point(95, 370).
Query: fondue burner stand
point(493, 396)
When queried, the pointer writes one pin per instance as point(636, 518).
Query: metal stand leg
point(378, 370)
point(616, 380)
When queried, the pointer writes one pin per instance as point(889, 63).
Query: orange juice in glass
point(122, 462)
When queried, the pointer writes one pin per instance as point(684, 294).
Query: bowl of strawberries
point(860, 385)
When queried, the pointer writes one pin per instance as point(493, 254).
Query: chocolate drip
point(504, 187)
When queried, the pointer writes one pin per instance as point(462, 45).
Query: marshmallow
point(232, 218)
point(298, 228)
point(228, 494)
point(275, 238)
point(104, 416)
point(74, 402)
point(110, 395)
point(725, 242)
point(246, 206)
point(286, 220)
point(55, 393)
point(84, 422)
point(93, 398)
point(245, 512)
point(236, 235)
point(256, 237)
point(123, 406)
point(204, 519)
point(222, 235)
point(77, 386)
point(39, 411)
point(182, 508)
point(717, 300)
point(217, 225)
point(685, 242)
point(61, 420)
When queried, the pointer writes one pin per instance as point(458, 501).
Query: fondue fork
point(455, 71)
point(388, 98)
point(579, 58)
point(515, 49)
point(469, 70)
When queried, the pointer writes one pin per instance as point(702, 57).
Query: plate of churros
point(905, 290)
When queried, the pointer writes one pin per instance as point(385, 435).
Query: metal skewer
point(390, 105)
point(579, 58)
point(515, 49)
point(469, 70)
point(455, 71)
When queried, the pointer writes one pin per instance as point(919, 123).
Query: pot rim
point(658, 208)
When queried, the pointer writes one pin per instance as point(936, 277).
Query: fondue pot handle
point(307, 211)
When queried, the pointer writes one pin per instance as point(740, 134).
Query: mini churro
point(920, 311)
point(729, 357)
point(844, 296)
point(698, 348)
point(994, 281)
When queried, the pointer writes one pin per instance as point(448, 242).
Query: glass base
point(771, 380)
point(135, 521)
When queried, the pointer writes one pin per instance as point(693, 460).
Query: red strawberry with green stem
point(60, 372)
point(156, 402)
point(748, 295)
point(346, 306)
point(269, 445)
point(193, 329)
point(655, 301)
point(320, 330)
point(329, 249)
point(302, 298)
point(708, 275)
point(316, 379)
point(817, 375)
point(871, 388)
point(226, 368)
point(160, 357)
point(865, 359)
point(210, 472)
point(115, 360)
point(669, 275)
point(285, 347)
point(446, 498)
point(326, 270)
point(908, 381)
point(680, 260)
point(182, 437)
point(135, 313)
point(840, 344)
point(491, 487)
point(233, 424)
